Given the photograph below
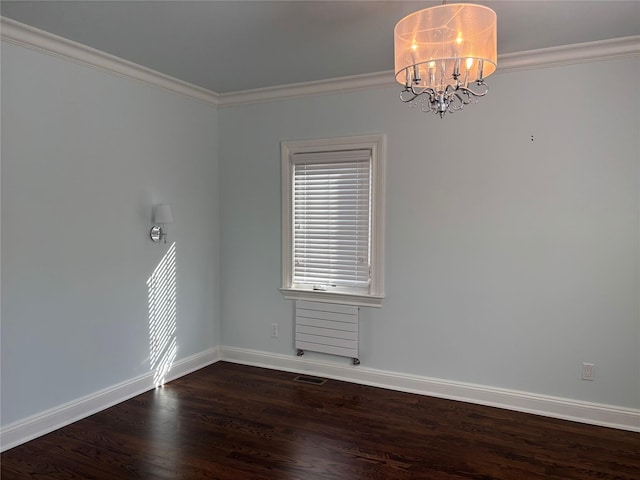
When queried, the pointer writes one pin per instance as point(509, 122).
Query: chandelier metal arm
point(439, 101)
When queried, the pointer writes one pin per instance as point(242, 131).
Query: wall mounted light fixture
point(161, 215)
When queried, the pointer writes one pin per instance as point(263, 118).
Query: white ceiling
point(230, 46)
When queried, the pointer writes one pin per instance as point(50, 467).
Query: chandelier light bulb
point(469, 63)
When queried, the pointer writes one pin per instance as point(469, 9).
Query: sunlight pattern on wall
point(163, 344)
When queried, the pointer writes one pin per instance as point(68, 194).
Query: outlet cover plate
point(587, 371)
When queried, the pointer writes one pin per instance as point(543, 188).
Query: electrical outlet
point(587, 371)
point(275, 330)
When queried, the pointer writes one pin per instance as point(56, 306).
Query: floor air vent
point(310, 380)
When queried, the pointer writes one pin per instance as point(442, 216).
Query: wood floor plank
point(235, 422)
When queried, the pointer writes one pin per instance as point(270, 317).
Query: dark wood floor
point(230, 421)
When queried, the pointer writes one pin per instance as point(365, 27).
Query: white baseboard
point(585, 412)
point(556, 407)
point(27, 429)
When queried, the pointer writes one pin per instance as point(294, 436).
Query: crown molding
point(569, 54)
point(512, 62)
point(39, 40)
point(26, 36)
point(296, 90)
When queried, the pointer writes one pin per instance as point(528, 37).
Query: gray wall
point(85, 155)
point(509, 261)
point(512, 231)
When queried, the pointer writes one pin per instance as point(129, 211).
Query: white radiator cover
point(327, 328)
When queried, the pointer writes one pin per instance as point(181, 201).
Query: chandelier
point(443, 54)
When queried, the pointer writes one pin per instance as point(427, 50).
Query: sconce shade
point(162, 214)
point(445, 45)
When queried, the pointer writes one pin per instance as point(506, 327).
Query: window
point(333, 220)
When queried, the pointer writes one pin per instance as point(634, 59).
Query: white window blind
point(332, 218)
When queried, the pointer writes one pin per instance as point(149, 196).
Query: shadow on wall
point(163, 342)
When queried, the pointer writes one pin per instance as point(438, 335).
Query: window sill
point(333, 297)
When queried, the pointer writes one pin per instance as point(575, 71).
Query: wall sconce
point(160, 217)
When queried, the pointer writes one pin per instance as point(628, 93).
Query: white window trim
point(376, 144)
